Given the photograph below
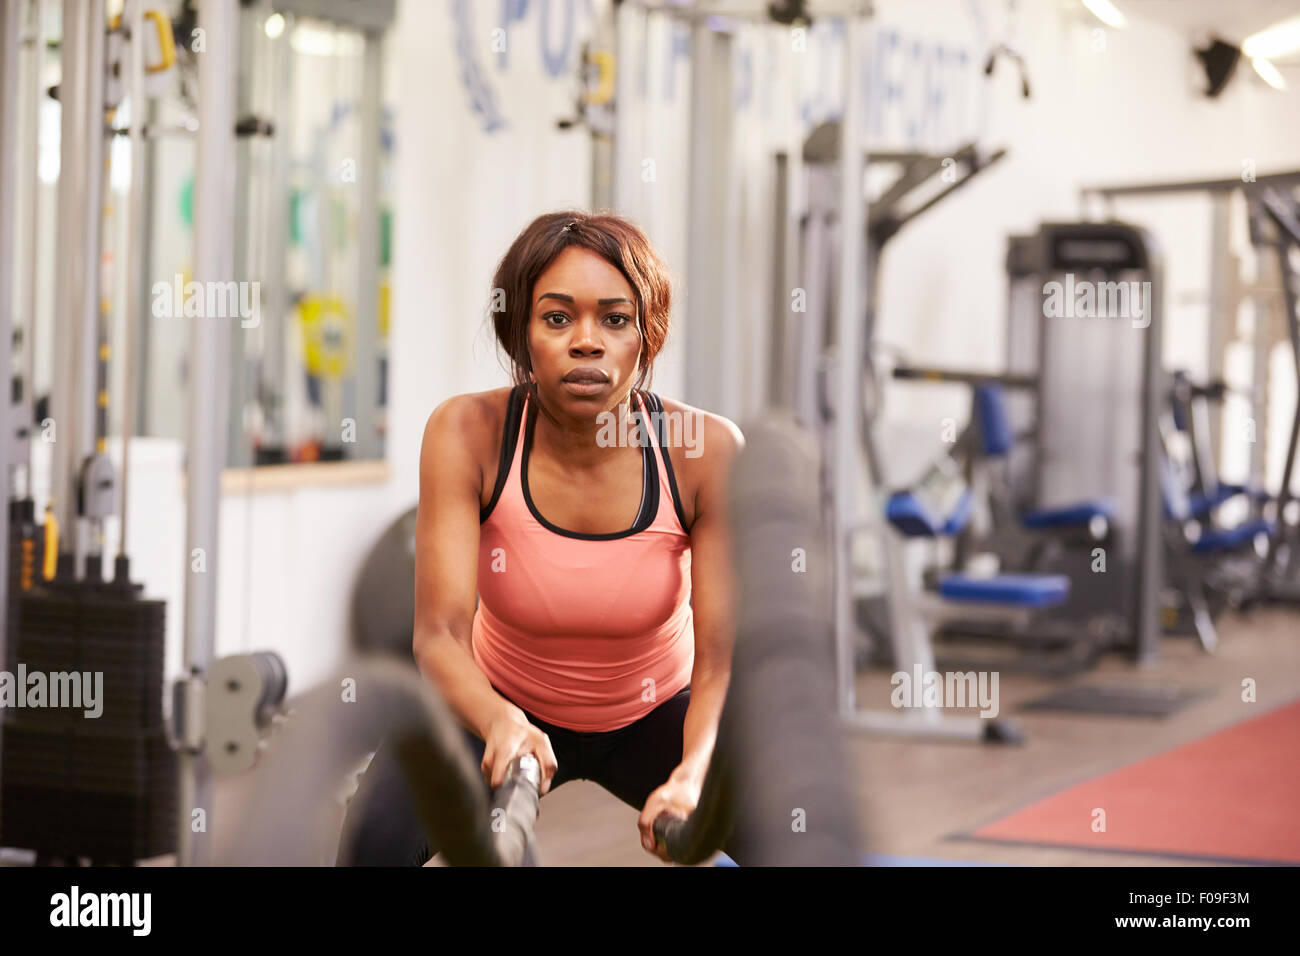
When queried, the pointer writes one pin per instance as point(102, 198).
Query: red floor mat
point(1233, 796)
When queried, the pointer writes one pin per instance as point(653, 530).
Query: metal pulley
point(96, 487)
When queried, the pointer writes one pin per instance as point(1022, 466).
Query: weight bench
point(1011, 600)
point(1006, 604)
point(1202, 506)
point(1032, 591)
point(1081, 515)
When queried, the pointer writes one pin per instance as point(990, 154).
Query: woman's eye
point(618, 319)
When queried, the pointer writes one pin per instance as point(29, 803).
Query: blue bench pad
point(1068, 516)
point(1017, 590)
point(1229, 539)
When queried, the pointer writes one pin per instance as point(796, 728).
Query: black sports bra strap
point(655, 406)
point(656, 409)
point(509, 436)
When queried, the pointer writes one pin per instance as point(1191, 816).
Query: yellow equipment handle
point(166, 42)
point(51, 544)
point(604, 91)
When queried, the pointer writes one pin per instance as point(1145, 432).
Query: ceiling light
point(1269, 73)
point(1277, 41)
point(1106, 12)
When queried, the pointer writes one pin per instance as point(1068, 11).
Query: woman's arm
point(712, 596)
point(446, 562)
point(713, 591)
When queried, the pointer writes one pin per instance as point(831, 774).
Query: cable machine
point(72, 786)
point(97, 770)
point(825, 370)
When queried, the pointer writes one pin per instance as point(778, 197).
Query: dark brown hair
point(619, 242)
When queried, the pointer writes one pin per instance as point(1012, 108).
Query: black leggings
point(630, 763)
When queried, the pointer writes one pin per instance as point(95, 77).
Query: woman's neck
point(588, 443)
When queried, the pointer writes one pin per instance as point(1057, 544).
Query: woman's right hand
point(510, 735)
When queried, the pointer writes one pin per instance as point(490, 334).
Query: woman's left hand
point(677, 797)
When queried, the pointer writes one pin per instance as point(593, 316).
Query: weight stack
point(73, 785)
point(26, 560)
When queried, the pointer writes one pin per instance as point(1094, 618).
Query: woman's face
point(582, 333)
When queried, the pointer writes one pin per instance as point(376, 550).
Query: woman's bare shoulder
point(701, 445)
point(702, 436)
point(469, 415)
point(471, 421)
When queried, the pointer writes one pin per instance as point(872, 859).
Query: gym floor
point(914, 796)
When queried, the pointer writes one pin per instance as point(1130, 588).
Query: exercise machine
point(1211, 565)
point(1085, 318)
point(939, 506)
point(111, 789)
point(1275, 223)
point(1077, 428)
point(831, 251)
point(73, 787)
point(1021, 541)
point(1273, 218)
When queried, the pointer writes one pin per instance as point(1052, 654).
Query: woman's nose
point(586, 336)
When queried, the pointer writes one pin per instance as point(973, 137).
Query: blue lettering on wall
point(743, 78)
point(679, 47)
point(557, 64)
point(824, 37)
point(512, 11)
point(834, 92)
point(974, 130)
point(913, 91)
point(936, 74)
point(915, 104)
point(467, 38)
point(481, 99)
point(885, 93)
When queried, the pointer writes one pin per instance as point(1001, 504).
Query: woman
point(589, 519)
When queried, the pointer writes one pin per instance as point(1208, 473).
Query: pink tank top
point(584, 631)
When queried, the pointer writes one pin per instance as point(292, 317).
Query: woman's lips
point(585, 386)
